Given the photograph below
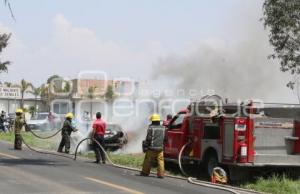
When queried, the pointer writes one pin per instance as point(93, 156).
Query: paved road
point(28, 172)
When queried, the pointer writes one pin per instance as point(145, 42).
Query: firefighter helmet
point(155, 117)
point(219, 175)
point(69, 115)
point(19, 110)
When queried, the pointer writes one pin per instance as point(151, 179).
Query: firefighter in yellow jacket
point(18, 125)
point(153, 146)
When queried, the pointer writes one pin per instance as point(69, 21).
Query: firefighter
point(18, 125)
point(99, 127)
point(168, 120)
point(66, 131)
point(153, 145)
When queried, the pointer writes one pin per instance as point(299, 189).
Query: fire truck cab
point(235, 135)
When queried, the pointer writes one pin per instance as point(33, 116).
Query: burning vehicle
point(115, 137)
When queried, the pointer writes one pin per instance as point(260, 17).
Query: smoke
point(236, 69)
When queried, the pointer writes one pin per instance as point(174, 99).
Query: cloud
point(71, 49)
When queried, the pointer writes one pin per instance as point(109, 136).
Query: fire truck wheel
point(210, 162)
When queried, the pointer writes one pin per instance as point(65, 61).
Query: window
point(211, 131)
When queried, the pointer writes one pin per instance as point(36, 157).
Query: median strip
point(119, 187)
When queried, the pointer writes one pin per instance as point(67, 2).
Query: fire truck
point(238, 136)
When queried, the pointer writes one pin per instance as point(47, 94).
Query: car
point(40, 121)
point(115, 137)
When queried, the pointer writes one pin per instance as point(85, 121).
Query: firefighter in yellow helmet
point(153, 147)
point(66, 131)
point(18, 126)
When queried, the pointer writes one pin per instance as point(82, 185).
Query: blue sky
point(125, 37)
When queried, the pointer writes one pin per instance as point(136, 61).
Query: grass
point(47, 144)
point(275, 184)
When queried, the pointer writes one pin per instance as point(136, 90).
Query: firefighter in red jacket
point(99, 127)
point(154, 147)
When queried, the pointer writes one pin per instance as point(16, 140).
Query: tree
point(7, 3)
point(3, 43)
point(109, 94)
point(46, 95)
point(282, 17)
point(36, 92)
point(91, 96)
point(8, 84)
point(24, 86)
point(67, 87)
point(109, 97)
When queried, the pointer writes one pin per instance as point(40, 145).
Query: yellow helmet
point(155, 117)
point(69, 115)
point(19, 110)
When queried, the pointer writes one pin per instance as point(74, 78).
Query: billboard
point(6, 92)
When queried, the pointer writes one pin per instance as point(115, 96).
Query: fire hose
point(189, 179)
point(47, 137)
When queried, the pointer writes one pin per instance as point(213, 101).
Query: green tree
point(67, 87)
point(51, 78)
point(109, 98)
point(109, 94)
point(3, 43)
point(36, 92)
point(46, 95)
point(24, 86)
point(91, 96)
point(282, 17)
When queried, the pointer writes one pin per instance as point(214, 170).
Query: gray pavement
point(27, 172)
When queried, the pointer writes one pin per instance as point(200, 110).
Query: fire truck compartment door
point(274, 136)
point(228, 140)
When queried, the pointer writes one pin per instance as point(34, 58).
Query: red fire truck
point(238, 136)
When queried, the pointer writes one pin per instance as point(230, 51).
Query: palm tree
point(3, 43)
point(91, 95)
point(24, 86)
point(46, 95)
point(36, 92)
point(109, 98)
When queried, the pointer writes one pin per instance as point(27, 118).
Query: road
point(29, 172)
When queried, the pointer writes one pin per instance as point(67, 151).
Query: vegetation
point(36, 92)
point(24, 87)
point(283, 20)
point(109, 94)
point(91, 96)
point(31, 140)
point(275, 184)
point(3, 43)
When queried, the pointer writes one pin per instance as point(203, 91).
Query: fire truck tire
point(210, 162)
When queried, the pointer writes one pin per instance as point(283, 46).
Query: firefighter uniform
point(66, 131)
point(18, 125)
point(154, 147)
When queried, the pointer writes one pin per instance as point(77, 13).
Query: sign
point(12, 93)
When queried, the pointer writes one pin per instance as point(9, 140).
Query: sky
point(125, 38)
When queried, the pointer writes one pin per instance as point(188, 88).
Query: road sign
point(6, 92)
